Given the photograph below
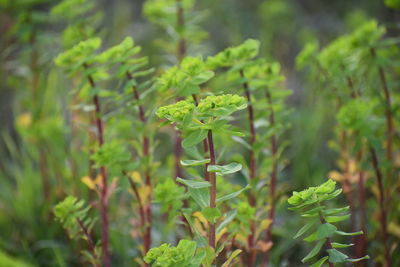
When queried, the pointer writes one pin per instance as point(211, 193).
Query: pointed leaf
point(304, 229)
point(232, 195)
point(335, 256)
point(194, 184)
point(314, 251)
point(194, 162)
point(320, 262)
point(325, 230)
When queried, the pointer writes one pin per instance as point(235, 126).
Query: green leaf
point(314, 251)
point(232, 195)
point(228, 218)
point(194, 138)
point(194, 184)
point(194, 162)
point(359, 259)
point(335, 211)
point(320, 262)
point(202, 77)
point(233, 255)
point(344, 233)
point(225, 169)
point(339, 245)
point(188, 247)
point(332, 219)
point(336, 256)
point(210, 256)
point(325, 230)
point(211, 214)
point(201, 196)
point(304, 229)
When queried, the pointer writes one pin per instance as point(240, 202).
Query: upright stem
point(382, 206)
point(274, 178)
point(361, 240)
point(103, 173)
point(213, 189)
point(253, 168)
point(146, 212)
point(181, 52)
point(389, 117)
point(90, 242)
point(180, 23)
point(328, 240)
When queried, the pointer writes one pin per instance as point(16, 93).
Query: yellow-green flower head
point(311, 193)
point(221, 105)
point(367, 34)
point(119, 52)
point(80, 53)
point(234, 55)
point(176, 112)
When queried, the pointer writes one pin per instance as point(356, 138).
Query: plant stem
point(389, 118)
point(382, 205)
point(103, 173)
point(147, 213)
point(180, 23)
point(328, 240)
point(213, 189)
point(253, 168)
point(90, 242)
point(274, 178)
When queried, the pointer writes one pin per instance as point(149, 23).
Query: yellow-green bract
point(79, 52)
point(233, 55)
point(176, 112)
point(221, 104)
point(299, 197)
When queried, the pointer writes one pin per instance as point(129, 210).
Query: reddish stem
point(251, 257)
point(388, 114)
point(90, 242)
point(382, 205)
point(146, 212)
point(103, 173)
point(274, 178)
point(213, 189)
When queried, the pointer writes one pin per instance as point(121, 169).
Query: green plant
point(73, 214)
point(311, 204)
point(197, 123)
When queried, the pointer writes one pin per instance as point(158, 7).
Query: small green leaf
point(194, 162)
point(335, 211)
point(320, 262)
point(336, 256)
point(200, 196)
point(211, 214)
point(194, 138)
point(304, 229)
point(194, 184)
point(232, 195)
point(233, 255)
point(344, 233)
point(228, 218)
point(332, 219)
point(202, 77)
point(314, 251)
point(359, 259)
point(325, 230)
point(225, 169)
point(339, 245)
